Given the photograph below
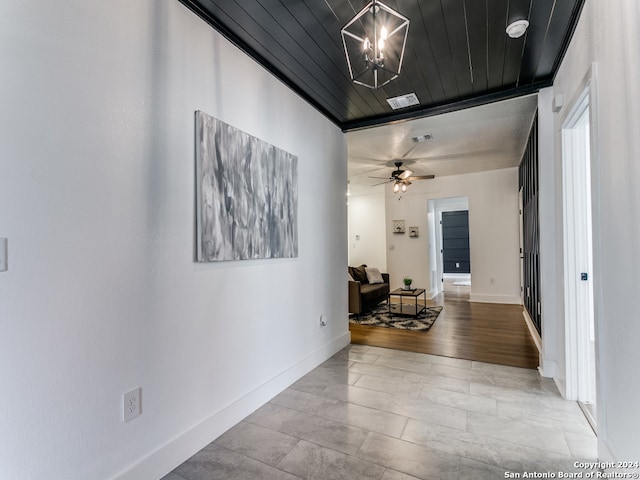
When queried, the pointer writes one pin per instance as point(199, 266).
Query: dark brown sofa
point(363, 296)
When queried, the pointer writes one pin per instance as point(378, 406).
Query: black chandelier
point(374, 42)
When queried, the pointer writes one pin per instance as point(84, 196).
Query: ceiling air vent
point(403, 101)
point(422, 138)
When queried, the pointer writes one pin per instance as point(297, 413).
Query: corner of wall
point(604, 452)
point(169, 456)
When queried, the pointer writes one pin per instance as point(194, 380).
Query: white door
point(578, 258)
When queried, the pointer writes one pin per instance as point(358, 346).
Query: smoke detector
point(517, 28)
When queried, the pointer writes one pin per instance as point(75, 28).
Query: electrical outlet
point(131, 405)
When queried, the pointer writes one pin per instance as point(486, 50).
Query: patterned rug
point(379, 317)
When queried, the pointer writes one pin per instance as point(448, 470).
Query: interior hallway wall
point(605, 48)
point(493, 233)
point(550, 224)
point(97, 201)
point(367, 238)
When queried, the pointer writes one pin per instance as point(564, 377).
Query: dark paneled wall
point(455, 242)
point(528, 173)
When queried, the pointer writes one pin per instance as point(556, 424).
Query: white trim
point(589, 416)
point(532, 330)
point(169, 456)
point(604, 452)
point(485, 298)
point(577, 245)
point(460, 276)
point(432, 293)
point(560, 386)
point(547, 368)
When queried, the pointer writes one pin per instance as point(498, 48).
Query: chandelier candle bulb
point(383, 56)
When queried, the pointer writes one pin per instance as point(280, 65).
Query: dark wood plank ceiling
point(458, 54)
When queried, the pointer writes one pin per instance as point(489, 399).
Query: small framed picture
point(398, 226)
point(413, 231)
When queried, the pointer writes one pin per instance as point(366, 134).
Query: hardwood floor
point(486, 332)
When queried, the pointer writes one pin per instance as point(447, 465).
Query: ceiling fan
point(402, 178)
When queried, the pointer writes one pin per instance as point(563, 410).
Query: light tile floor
point(375, 413)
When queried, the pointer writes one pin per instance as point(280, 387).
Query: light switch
point(3, 255)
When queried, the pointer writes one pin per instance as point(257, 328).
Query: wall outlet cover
point(131, 405)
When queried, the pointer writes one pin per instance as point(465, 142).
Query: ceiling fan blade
point(405, 174)
point(382, 178)
point(381, 183)
point(421, 177)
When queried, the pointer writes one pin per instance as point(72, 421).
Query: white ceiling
point(488, 137)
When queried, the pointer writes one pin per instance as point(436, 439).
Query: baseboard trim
point(432, 293)
point(604, 452)
point(462, 276)
point(532, 330)
point(509, 299)
point(559, 380)
point(560, 385)
point(547, 368)
point(169, 456)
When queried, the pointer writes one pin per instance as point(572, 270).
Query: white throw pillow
point(374, 275)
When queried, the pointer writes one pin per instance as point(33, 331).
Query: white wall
point(97, 201)
point(367, 222)
point(606, 43)
point(550, 224)
point(493, 232)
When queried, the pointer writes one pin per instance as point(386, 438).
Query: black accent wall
point(455, 242)
point(528, 179)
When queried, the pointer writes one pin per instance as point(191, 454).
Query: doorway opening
point(449, 245)
point(578, 258)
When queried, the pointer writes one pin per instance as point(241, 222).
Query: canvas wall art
point(247, 195)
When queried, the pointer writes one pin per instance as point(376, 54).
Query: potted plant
point(407, 283)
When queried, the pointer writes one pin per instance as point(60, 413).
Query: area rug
point(379, 317)
point(462, 283)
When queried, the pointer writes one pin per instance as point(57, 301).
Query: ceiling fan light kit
point(402, 178)
point(374, 42)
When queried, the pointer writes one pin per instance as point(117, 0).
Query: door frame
point(447, 204)
point(574, 354)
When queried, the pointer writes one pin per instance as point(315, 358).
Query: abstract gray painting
point(247, 195)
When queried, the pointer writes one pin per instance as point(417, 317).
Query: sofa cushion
point(359, 274)
point(374, 275)
point(373, 293)
point(351, 279)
